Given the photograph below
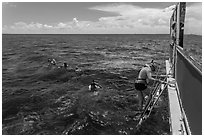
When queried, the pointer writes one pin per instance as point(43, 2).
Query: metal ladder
point(151, 102)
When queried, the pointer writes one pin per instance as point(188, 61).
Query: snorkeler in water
point(52, 62)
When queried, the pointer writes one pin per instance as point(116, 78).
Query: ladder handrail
point(151, 103)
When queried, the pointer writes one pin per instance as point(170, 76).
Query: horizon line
point(91, 34)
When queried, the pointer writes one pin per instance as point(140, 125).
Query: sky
point(96, 17)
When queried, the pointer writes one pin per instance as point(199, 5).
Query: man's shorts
point(140, 86)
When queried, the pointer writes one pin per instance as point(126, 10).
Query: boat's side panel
point(175, 110)
point(189, 80)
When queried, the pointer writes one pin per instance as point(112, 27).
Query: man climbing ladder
point(152, 101)
point(144, 77)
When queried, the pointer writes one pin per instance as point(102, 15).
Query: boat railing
point(185, 99)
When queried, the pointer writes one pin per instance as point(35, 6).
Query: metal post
point(177, 38)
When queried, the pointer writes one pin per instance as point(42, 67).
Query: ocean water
point(39, 99)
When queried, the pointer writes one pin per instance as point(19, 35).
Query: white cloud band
point(130, 19)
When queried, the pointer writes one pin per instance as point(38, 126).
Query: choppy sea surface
point(39, 99)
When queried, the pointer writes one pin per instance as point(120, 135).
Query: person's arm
point(159, 76)
point(149, 75)
point(98, 85)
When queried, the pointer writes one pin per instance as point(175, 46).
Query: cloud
point(76, 24)
point(116, 8)
point(194, 11)
point(61, 27)
point(8, 4)
point(47, 26)
point(170, 8)
point(31, 26)
point(156, 20)
point(130, 15)
point(128, 19)
point(75, 20)
point(193, 18)
point(22, 27)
